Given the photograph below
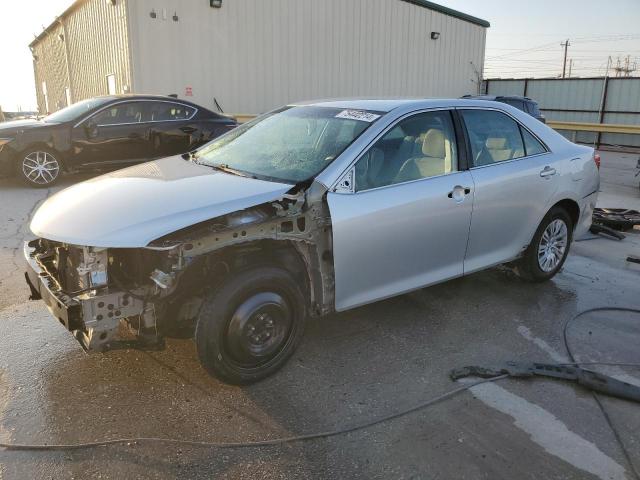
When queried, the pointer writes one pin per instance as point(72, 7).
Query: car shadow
point(351, 367)
point(14, 183)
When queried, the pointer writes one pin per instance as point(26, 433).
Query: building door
point(111, 84)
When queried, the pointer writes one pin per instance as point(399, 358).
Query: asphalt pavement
point(351, 368)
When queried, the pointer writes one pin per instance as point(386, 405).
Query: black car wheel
point(250, 326)
point(38, 167)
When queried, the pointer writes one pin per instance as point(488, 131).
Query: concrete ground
point(351, 367)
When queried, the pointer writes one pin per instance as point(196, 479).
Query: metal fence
point(607, 100)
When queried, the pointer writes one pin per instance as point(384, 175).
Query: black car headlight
point(4, 141)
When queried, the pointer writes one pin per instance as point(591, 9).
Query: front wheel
point(549, 247)
point(39, 167)
point(251, 325)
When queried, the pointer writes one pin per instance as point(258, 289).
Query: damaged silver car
point(307, 210)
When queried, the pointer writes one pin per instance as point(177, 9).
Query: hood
point(130, 208)
point(15, 126)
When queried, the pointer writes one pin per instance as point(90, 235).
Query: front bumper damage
point(93, 316)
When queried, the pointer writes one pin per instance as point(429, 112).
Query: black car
point(105, 133)
point(521, 103)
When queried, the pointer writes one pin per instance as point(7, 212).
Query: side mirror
point(91, 129)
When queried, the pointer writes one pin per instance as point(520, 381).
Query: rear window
point(519, 104)
point(533, 109)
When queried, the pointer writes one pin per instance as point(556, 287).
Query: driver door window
point(418, 147)
point(120, 114)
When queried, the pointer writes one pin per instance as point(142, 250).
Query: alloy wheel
point(40, 167)
point(553, 245)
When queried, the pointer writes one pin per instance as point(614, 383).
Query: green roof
point(450, 12)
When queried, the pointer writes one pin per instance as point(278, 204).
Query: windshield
point(290, 145)
point(76, 110)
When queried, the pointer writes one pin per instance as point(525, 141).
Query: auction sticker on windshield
point(358, 115)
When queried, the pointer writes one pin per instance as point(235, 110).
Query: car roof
point(495, 97)
point(389, 104)
point(133, 96)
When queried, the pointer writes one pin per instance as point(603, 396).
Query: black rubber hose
point(605, 414)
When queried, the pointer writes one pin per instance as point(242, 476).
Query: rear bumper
point(587, 205)
point(92, 319)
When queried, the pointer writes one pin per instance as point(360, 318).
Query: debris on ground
point(617, 218)
point(587, 378)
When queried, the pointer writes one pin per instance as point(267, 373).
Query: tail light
point(596, 158)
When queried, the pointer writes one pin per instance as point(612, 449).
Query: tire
point(249, 327)
point(39, 167)
point(539, 266)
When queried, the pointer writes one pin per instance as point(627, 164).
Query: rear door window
point(519, 104)
point(494, 137)
point(532, 145)
point(168, 111)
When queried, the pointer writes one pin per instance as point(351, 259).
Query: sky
point(524, 38)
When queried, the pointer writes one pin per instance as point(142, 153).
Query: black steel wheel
point(251, 325)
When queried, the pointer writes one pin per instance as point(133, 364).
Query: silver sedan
point(310, 209)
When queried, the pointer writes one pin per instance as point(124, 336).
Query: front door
point(116, 136)
point(515, 180)
point(406, 224)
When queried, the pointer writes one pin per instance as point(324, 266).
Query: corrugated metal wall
point(254, 55)
point(578, 100)
point(96, 45)
point(50, 67)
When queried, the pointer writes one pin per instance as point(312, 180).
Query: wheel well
point(278, 253)
point(571, 208)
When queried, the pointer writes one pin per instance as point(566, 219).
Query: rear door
point(515, 178)
point(406, 223)
point(173, 128)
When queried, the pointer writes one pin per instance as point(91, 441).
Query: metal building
point(250, 56)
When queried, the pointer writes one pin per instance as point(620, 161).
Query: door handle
point(458, 191)
point(547, 171)
point(188, 130)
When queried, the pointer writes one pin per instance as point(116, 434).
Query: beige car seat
point(435, 160)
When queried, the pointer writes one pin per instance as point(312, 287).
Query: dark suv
point(521, 103)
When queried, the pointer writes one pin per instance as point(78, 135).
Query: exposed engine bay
point(134, 297)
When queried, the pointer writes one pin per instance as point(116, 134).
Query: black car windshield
point(76, 110)
point(290, 145)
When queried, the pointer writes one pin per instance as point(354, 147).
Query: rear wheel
point(549, 248)
point(251, 325)
point(39, 167)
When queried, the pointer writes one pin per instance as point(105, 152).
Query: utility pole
point(566, 45)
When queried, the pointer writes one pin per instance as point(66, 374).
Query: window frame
point(520, 125)
point(175, 119)
point(110, 105)
point(461, 150)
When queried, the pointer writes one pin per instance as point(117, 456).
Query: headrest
point(433, 144)
point(496, 143)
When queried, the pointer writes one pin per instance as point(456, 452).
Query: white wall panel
point(254, 55)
